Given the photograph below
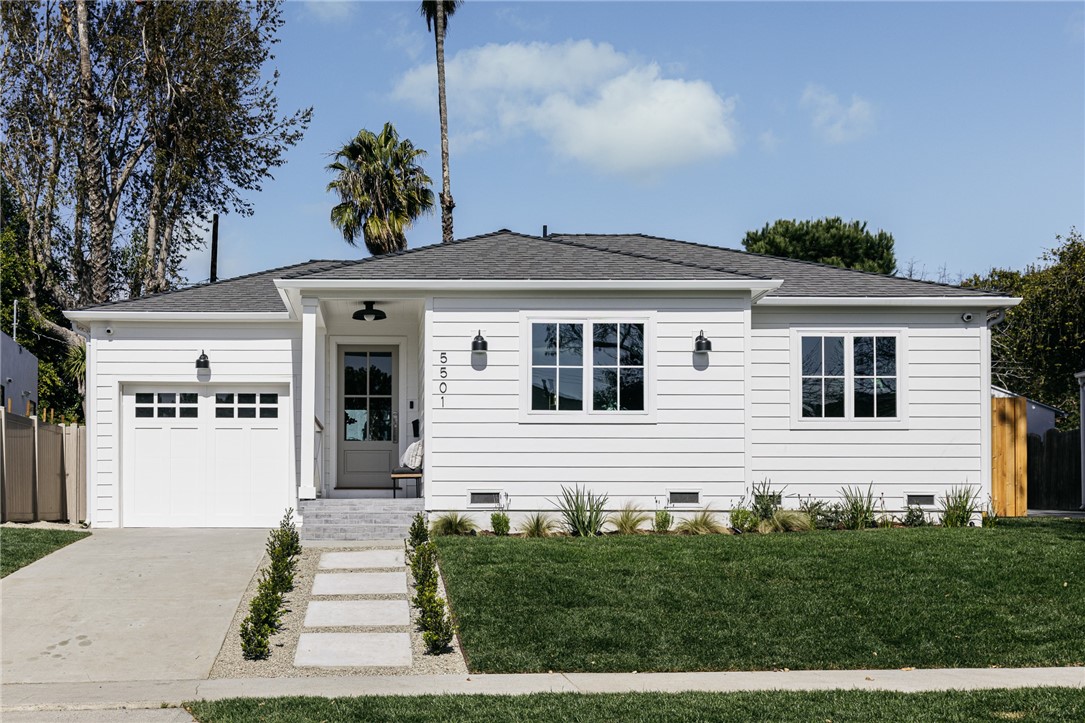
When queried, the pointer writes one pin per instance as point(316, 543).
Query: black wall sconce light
point(202, 362)
point(702, 345)
point(479, 345)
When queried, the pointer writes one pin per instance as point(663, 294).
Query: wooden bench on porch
point(402, 478)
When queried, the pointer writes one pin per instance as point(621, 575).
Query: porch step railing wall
point(42, 470)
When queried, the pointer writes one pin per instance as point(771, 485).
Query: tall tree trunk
point(447, 203)
point(101, 231)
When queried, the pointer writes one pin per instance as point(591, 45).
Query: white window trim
point(849, 421)
point(485, 505)
point(685, 505)
point(588, 415)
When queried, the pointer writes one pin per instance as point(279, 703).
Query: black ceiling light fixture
point(369, 313)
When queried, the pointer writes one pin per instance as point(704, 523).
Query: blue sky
point(959, 128)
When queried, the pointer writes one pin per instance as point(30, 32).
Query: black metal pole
point(214, 248)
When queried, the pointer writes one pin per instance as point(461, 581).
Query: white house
point(222, 404)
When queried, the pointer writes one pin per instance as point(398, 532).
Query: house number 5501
point(442, 388)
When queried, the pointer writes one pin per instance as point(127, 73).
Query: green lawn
point(1035, 704)
point(20, 547)
point(1013, 595)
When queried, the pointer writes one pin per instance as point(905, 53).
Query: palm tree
point(437, 15)
point(382, 189)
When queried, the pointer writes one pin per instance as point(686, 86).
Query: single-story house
point(1040, 417)
point(659, 372)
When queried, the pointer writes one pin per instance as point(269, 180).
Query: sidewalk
point(153, 694)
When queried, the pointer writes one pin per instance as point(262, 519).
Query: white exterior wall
point(165, 353)
point(943, 442)
point(476, 439)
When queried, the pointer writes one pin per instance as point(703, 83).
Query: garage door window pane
point(246, 399)
point(224, 398)
point(144, 412)
point(167, 412)
point(144, 399)
point(246, 412)
point(189, 398)
point(269, 398)
point(269, 412)
point(167, 398)
point(224, 412)
point(189, 412)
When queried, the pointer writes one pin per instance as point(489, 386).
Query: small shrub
point(424, 565)
point(265, 610)
point(418, 533)
point(786, 521)
point(765, 501)
point(499, 521)
point(280, 573)
point(254, 640)
point(958, 506)
point(857, 510)
point(629, 520)
point(438, 637)
point(582, 511)
point(915, 517)
point(538, 524)
point(430, 606)
point(285, 537)
point(453, 523)
point(663, 521)
point(743, 519)
point(824, 515)
point(703, 522)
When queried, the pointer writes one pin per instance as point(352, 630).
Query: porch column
point(307, 482)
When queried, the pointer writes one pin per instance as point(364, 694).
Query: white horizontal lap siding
point(940, 446)
point(477, 440)
point(165, 354)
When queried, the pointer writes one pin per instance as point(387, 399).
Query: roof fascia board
point(969, 302)
point(199, 316)
point(430, 285)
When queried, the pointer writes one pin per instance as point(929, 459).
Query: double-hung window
point(851, 376)
point(581, 368)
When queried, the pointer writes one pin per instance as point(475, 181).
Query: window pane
point(145, 411)
point(189, 412)
point(544, 344)
point(355, 372)
point(631, 397)
point(887, 397)
point(863, 356)
point(144, 399)
point(834, 397)
point(224, 398)
point(571, 352)
point(269, 412)
point(544, 383)
point(605, 345)
point(380, 419)
point(887, 356)
point(167, 412)
point(834, 356)
point(190, 398)
point(864, 397)
point(811, 357)
point(633, 344)
point(224, 412)
point(354, 419)
point(246, 412)
point(811, 397)
point(571, 389)
point(167, 398)
point(605, 390)
point(269, 398)
point(380, 372)
point(246, 399)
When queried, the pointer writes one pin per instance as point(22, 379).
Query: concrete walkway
point(126, 605)
point(148, 695)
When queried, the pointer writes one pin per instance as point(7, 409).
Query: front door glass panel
point(367, 398)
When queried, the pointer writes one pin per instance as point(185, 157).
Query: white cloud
point(833, 121)
point(590, 102)
point(330, 11)
point(768, 141)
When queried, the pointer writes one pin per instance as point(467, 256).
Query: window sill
point(849, 424)
point(585, 418)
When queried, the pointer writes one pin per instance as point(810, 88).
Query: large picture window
point(850, 376)
point(587, 367)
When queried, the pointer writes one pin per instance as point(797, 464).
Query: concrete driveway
point(131, 604)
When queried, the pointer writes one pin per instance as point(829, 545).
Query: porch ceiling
point(338, 312)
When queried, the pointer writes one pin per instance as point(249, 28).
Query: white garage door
point(206, 456)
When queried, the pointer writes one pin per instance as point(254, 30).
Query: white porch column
point(307, 482)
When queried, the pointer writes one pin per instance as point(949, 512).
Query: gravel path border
point(280, 664)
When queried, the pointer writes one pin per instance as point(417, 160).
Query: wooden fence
point(42, 470)
point(1054, 470)
point(1009, 456)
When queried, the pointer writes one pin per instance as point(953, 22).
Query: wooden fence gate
point(1009, 456)
point(1054, 470)
point(42, 470)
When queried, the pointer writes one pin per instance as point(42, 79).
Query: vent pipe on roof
point(545, 234)
point(214, 248)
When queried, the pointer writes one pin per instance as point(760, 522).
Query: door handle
point(395, 427)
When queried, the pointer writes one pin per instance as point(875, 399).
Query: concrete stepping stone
point(353, 650)
point(356, 613)
point(360, 583)
point(361, 559)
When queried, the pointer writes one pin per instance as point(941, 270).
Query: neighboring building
point(1041, 417)
point(18, 377)
point(222, 404)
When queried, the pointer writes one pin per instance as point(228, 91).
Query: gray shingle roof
point(506, 255)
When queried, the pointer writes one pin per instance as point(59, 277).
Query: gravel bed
point(231, 664)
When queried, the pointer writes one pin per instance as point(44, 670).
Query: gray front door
point(368, 443)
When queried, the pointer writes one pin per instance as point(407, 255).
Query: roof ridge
point(794, 261)
point(649, 257)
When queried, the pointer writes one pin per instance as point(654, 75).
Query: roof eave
point(105, 314)
point(955, 302)
point(431, 285)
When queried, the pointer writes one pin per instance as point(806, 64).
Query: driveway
point(130, 604)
